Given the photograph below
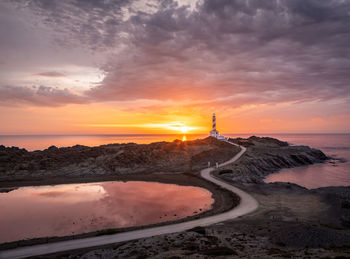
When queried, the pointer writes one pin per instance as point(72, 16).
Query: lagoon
point(70, 209)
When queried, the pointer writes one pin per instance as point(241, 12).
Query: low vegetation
point(112, 159)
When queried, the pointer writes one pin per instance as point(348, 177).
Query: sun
point(178, 126)
point(184, 129)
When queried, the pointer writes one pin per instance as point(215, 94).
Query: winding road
point(247, 204)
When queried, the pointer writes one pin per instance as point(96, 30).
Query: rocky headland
point(265, 156)
point(291, 221)
point(69, 163)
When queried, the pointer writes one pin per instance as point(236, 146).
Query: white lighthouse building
point(214, 133)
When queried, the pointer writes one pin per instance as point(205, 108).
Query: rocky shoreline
point(19, 166)
point(265, 156)
point(291, 221)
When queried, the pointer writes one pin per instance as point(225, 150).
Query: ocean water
point(69, 209)
point(336, 173)
point(332, 173)
point(40, 142)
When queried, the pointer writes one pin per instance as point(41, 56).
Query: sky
point(124, 66)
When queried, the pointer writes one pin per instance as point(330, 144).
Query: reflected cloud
point(50, 194)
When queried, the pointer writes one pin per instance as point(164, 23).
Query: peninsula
point(283, 207)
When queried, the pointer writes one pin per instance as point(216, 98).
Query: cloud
point(274, 50)
point(261, 51)
point(52, 74)
point(95, 24)
point(41, 95)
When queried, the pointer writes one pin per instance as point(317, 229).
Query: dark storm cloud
point(93, 23)
point(275, 49)
point(272, 51)
point(41, 95)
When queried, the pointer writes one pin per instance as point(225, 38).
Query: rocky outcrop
point(267, 155)
point(338, 199)
point(112, 159)
point(259, 141)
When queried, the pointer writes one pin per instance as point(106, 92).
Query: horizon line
point(177, 134)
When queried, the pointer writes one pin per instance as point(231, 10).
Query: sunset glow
point(159, 96)
point(176, 127)
point(162, 72)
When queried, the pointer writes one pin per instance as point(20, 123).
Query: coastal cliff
point(268, 155)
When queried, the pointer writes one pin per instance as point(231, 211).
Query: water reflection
point(59, 210)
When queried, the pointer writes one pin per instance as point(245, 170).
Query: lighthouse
point(214, 133)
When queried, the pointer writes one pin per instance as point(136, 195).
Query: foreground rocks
point(218, 241)
point(113, 159)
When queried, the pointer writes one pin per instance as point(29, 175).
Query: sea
point(335, 172)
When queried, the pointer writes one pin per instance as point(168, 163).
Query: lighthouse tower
point(214, 133)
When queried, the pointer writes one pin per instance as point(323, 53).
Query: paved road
point(247, 205)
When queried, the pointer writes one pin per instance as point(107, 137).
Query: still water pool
point(69, 209)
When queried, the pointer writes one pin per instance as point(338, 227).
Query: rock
point(267, 155)
point(52, 148)
point(199, 230)
point(310, 236)
point(257, 141)
point(218, 251)
point(111, 159)
point(345, 204)
point(345, 220)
